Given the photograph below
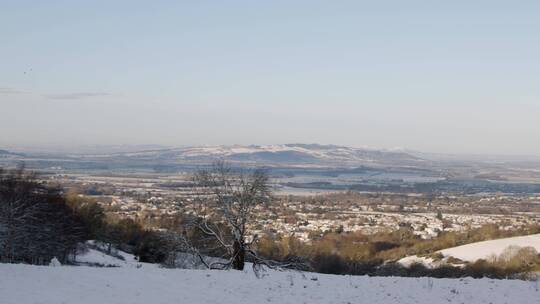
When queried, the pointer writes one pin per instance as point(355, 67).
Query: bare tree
point(227, 200)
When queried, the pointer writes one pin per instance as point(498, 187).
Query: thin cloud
point(77, 96)
point(9, 91)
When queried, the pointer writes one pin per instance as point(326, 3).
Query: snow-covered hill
point(476, 251)
point(483, 250)
point(290, 154)
point(24, 284)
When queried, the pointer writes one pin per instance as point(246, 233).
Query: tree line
point(36, 224)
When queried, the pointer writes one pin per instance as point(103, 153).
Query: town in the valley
point(147, 198)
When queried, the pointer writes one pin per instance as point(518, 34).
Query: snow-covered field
point(133, 282)
point(483, 250)
point(476, 251)
point(22, 284)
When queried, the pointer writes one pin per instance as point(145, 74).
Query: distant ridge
point(6, 153)
point(274, 155)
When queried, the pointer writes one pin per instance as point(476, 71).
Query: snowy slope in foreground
point(483, 250)
point(23, 284)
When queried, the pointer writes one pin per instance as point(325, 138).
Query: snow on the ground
point(91, 256)
point(95, 257)
point(25, 284)
point(485, 249)
point(413, 259)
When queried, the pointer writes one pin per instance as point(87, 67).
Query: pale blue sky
point(440, 76)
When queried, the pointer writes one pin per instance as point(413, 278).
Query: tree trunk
point(239, 256)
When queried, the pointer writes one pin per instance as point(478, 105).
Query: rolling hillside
point(485, 249)
point(476, 251)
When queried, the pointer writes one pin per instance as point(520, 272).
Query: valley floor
point(22, 284)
